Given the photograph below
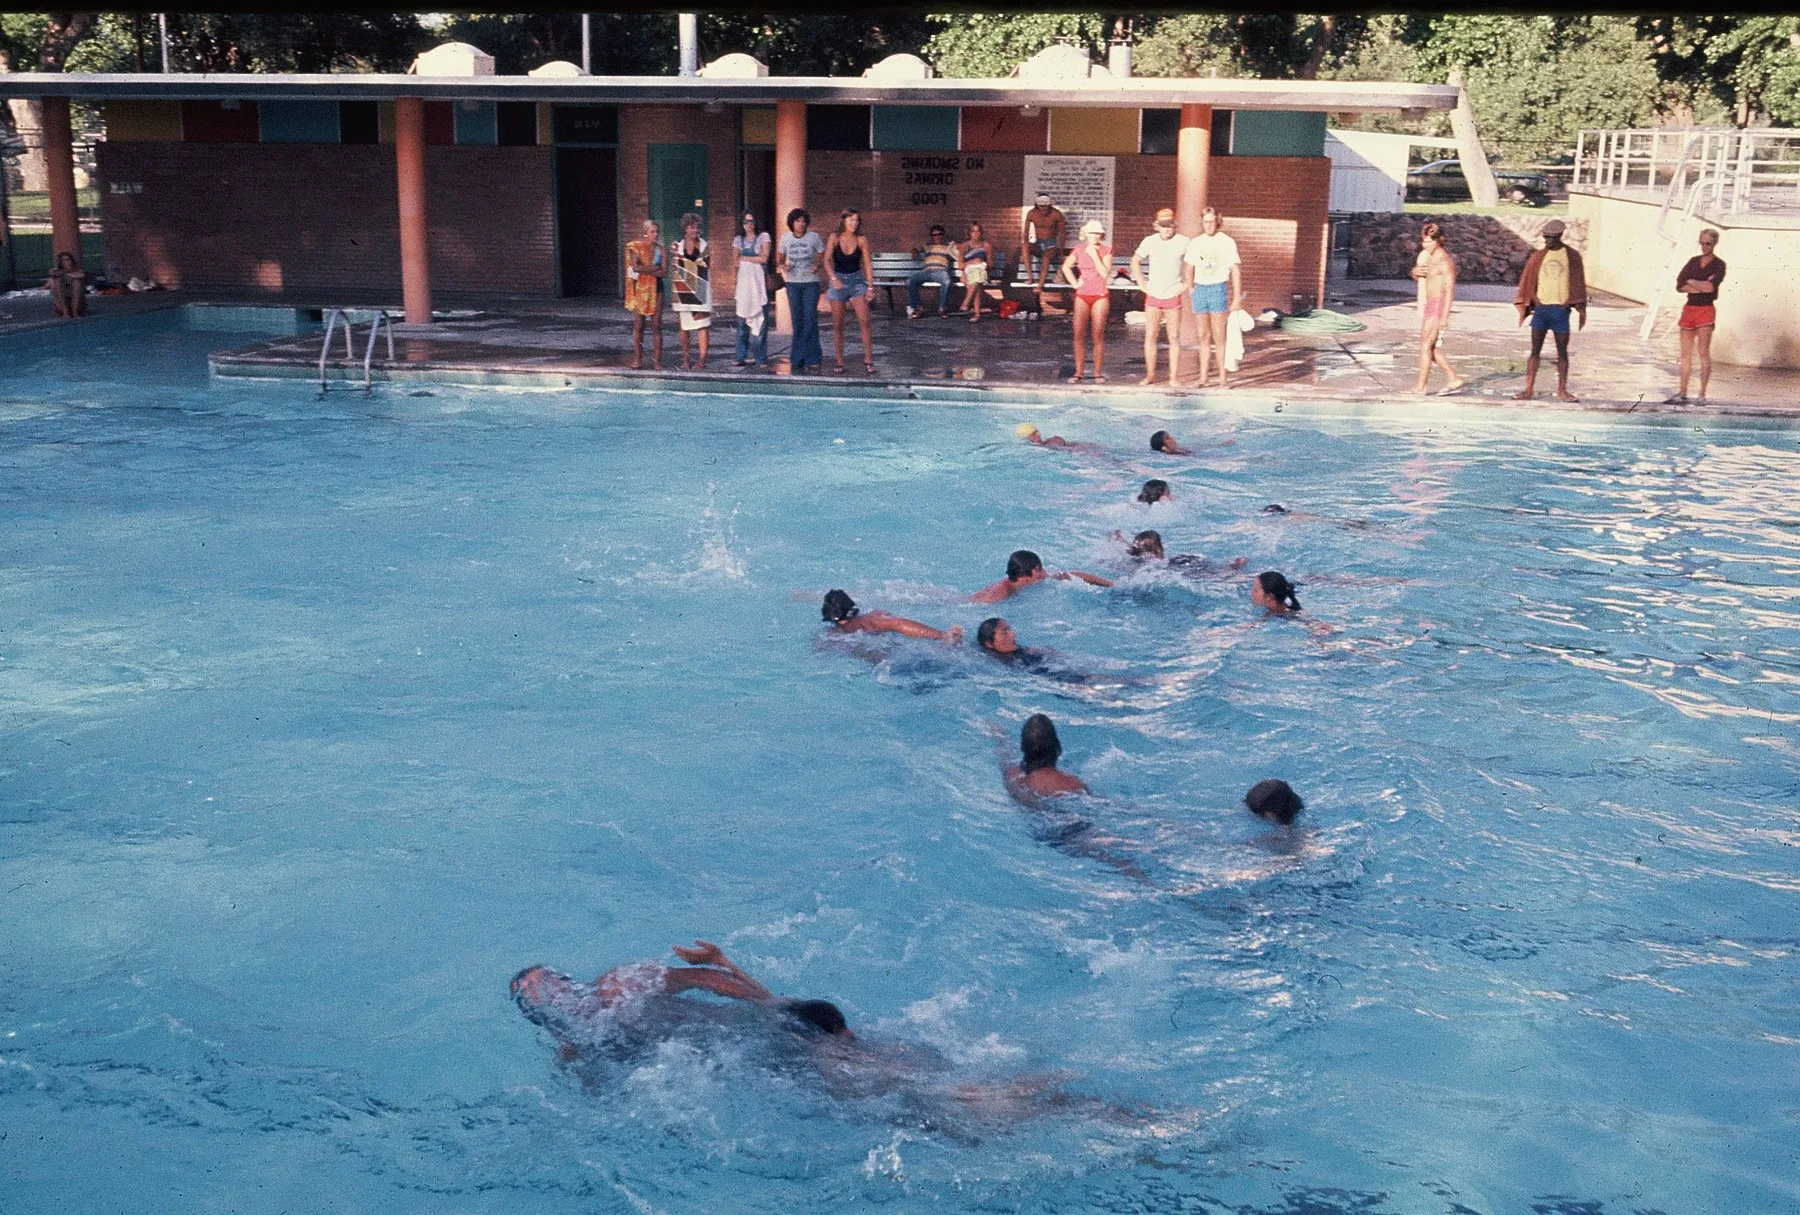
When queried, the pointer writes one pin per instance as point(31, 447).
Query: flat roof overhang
point(1137, 92)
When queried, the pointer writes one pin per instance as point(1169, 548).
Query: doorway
point(756, 189)
point(677, 186)
point(587, 220)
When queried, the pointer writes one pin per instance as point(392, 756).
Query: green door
point(677, 186)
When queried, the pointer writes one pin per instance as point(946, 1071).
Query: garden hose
point(1321, 320)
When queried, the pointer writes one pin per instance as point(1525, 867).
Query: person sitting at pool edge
point(1155, 491)
point(842, 613)
point(1274, 800)
point(1037, 773)
point(1025, 568)
point(1272, 591)
point(1164, 442)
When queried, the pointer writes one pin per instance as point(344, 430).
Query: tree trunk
point(1320, 48)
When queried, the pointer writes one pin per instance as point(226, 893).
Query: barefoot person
point(1088, 269)
point(797, 257)
point(1552, 285)
point(1215, 288)
point(644, 270)
point(1042, 236)
point(1156, 268)
point(752, 294)
point(851, 275)
point(841, 612)
point(1025, 568)
point(690, 288)
point(974, 256)
point(1699, 280)
point(68, 290)
point(1436, 272)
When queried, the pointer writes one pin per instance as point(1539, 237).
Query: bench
point(894, 269)
point(1120, 281)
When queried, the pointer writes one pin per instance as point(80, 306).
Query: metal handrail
point(331, 320)
point(375, 327)
point(1675, 249)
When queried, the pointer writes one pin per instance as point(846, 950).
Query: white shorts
point(695, 320)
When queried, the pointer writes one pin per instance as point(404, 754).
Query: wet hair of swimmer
point(984, 632)
point(1277, 587)
point(1038, 743)
point(839, 607)
point(821, 1015)
point(1154, 490)
point(1274, 800)
point(1022, 564)
point(1145, 544)
point(1161, 441)
point(1274, 508)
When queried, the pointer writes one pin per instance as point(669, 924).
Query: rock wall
point(1487, 248)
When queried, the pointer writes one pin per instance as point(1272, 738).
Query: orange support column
point(1193, 162)
point(59, 171)
point(415, 250)
point(790, 185)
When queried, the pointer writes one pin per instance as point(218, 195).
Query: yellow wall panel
point(758, 128)
point(1093, 132)
point(546, 131)
point(143, 121)
point(385, 121)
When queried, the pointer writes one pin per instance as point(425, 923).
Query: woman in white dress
point(752, 249)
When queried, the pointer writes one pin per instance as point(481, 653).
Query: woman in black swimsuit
point(851, 275)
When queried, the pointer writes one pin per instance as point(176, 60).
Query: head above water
point(996, 635)
point(821, 1016)
point(1154, 490)
point(1278, 589)
point(1162, 440)
point(1274, 508)
point(1022, 564)
point(1146, 544)
point(1039, 746)
point(1274, 800)
point(839, 607)
point(535, 990)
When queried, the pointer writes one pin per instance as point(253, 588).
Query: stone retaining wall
point(1487, 248)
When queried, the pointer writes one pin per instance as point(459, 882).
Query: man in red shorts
point(1156, 269)
point(1699, 279)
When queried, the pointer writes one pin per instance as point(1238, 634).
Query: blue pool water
point(321, 719)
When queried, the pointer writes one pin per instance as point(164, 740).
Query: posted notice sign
point(1082, 186)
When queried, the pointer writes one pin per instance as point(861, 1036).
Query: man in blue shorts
point(1215, 286)
point(1042, 236)
point(1552, 285)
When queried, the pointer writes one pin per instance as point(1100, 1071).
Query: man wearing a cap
point(1552, 285)
point(1042, 236)
point(939, 256)
point(1160, 253)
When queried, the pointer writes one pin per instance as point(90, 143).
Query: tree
point(993, 44)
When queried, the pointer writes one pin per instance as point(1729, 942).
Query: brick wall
point(1274, 206)
point(642, 125)
point(322, 220)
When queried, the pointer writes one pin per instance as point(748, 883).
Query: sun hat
point(1093, 225)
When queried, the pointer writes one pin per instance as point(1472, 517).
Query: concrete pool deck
point(568, 343)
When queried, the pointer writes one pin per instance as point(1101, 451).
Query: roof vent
point(736, 66)
point(1057, 62)
point(899, 67)
point(453, 59)
point(556, 67)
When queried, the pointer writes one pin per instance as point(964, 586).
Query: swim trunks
point(1553, 317)
point(1210, 298)
point(1171, 304)
point(1698, 316)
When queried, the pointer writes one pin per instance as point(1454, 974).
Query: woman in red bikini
point(1436, 272)
point(1093, 259)
point(1700, 280)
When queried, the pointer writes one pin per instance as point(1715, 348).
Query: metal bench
point(1120, 280)
point(894, 269)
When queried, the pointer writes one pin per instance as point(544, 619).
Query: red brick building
point(529, 186)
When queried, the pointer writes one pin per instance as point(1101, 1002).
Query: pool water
point(323, 718)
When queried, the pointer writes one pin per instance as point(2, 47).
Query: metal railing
point(1745, 170)
point(379, 321)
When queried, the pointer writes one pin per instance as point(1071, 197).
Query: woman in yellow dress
point(644, 269)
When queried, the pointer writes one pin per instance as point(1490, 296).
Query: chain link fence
point(25, 252)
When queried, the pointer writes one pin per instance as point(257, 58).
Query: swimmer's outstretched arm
point(887, 622)
point(1090, 579)
point(716, 973)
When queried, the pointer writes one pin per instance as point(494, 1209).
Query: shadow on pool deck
point(589, 342)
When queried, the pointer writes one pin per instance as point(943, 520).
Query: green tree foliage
point(993, 44)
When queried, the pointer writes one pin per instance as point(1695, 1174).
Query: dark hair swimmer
point(1155, 491)
point(841, 612)
point(1272, 590)
point(1274, 800)
point(1037, 774)
point(1025, 568)
point(1164, 442)
point(1146, 544)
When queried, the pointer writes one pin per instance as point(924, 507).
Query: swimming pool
point(323, 718)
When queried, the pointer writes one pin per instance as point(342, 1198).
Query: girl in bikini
point(1093, 259)
point(974, 255)
point(1436, 272)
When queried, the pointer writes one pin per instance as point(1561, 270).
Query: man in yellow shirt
point(1553, 284)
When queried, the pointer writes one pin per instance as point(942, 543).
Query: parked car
point(1443, 181)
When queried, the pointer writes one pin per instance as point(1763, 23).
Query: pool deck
point(567, 343)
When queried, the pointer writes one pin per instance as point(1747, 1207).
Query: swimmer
point(1025, 568)
point(587, 1020)
point(1276, 508)
point(843, 614)
point(1036, 779)
point(1164, 442)
point(1274, 800)
point(1036, 775)
point(1155, 491)
point(996, 636)
point(1148, 546)
point(1028, 432)
point(1273, 592)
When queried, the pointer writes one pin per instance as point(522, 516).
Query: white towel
point(1236, 326)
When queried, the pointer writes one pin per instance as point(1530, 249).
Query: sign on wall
point(1082, 186)
point(931, 179)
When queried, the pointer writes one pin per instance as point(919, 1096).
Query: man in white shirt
point(1216, 290)
point(1161, 253)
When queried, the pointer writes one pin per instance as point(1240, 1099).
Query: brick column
point(59, 172)
point(409, 166)
point(790, 185)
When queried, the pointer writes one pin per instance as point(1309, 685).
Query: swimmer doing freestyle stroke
point(841, 612)
point(1025, 568)
point(583, 1017)
point(1148, 546)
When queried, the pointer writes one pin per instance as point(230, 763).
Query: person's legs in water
point(1531, 364)
point(1097, 317)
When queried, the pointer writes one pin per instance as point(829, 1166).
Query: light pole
point(587, 45)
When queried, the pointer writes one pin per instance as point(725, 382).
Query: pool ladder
point(340, 315)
